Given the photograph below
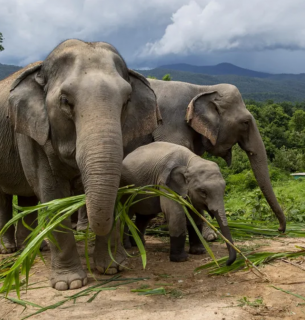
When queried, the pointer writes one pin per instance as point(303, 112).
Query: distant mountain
point(219, 69)
point(6, 70)
point(254, 85)
point(276, 87)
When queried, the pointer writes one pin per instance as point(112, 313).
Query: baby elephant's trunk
point(221, 218)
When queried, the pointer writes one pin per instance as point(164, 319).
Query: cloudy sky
point(264, 35)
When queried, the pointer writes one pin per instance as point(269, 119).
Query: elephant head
point(203, 183)
point(85, 101)
point(220, 116)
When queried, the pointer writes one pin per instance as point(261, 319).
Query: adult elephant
point(70, 115)
point(213, 119)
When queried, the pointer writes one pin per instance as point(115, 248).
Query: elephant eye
point(203, 193)
point(64, 100)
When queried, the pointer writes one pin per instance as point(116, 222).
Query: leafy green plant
point(167, 77)
point(53, 213)
point(257, 258)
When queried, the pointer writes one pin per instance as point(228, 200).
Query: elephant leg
point(66, 268)
point(127, 238)
point(176, 220)
point(82, 221)
point(102, 259)
point(142, 222)
point(196, 246)
point(31, 220)
point(67, 271)
point(208, 234)
point(7, 243)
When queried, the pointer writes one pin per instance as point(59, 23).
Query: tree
point(167, 77)
point(1, 40)
point(297, 122)
point(151, 77)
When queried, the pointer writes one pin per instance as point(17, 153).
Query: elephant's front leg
point(176, 220)
point(66, 268)
point(67, 272)
point(208, 233)
point(196, 246)
point(102, 259)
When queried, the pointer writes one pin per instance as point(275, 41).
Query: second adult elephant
point(213, 119)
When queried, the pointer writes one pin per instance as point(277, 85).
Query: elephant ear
point(27, 110)
point(142, 115)
point(177, 182)
point(204, 116)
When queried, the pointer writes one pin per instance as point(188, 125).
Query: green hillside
point(278, 87)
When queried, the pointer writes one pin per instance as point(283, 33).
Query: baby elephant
point(174, 166)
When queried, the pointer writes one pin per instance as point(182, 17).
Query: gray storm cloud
point(33, 28)
point(263, 34)
point(226, 25)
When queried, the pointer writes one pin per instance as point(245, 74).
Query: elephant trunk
point(221, 218)
point(99, 154)
point(256, 153)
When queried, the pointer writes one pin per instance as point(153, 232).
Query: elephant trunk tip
point(232, 256)
point(282, 227)
point(98, 229)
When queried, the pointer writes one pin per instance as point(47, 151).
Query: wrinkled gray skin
point(71, 116)
point(213, 118)
point(163, 163)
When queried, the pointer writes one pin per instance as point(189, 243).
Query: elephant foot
point(209, 234)
point(105, 265)
point(68, 279)
point(177, 252)
point(197, 249)
point(183, 256)
point(103, 262)
point(7, 248)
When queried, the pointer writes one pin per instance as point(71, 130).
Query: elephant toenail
point(76, 284)
point(61, 286)
point(85, 281)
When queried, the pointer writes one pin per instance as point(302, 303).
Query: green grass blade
point(289, 292)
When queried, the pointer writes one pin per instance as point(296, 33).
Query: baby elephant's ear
point(177, 182)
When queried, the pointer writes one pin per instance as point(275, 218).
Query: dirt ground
point(241, 295)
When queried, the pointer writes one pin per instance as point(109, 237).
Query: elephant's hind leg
point(142, 222)
point(7, 243)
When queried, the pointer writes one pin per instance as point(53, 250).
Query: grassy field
point(249, 202)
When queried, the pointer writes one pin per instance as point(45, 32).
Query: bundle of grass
point(256, 258)
point(52, 214)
